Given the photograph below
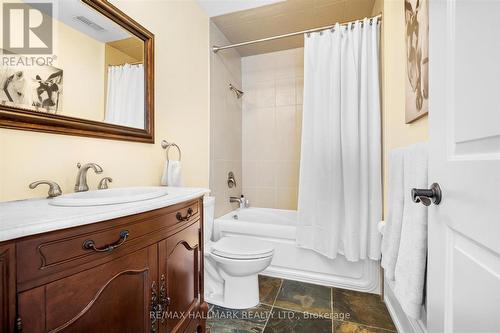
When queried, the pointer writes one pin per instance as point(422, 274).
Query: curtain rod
point(216, 48)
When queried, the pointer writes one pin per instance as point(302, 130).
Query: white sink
point(108, 197)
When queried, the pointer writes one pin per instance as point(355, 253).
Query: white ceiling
point(221, 7)
point(66, 11)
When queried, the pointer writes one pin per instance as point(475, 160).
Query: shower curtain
point(340, 191)
point(125, 96)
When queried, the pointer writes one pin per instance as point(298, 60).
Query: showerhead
point(237, 92)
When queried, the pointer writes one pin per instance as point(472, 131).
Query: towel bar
point(167, 145)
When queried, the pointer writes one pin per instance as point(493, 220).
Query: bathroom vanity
point(130, 267)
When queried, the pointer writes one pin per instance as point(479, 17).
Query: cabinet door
point(179, 267)
point(7, 287)
point(112, 297)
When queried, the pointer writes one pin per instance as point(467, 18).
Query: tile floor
point(296, 307)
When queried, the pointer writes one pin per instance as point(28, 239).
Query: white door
point(463, 293)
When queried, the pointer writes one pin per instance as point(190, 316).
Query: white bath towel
point(410, 266)
point(394, 220)
point(172, 174)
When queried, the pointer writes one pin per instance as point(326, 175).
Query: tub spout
point(242, 201)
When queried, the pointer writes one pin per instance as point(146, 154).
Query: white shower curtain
point(125, 97)
point(340, 191)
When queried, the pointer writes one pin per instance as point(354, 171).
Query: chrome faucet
point(242, 201)
point(81, 177)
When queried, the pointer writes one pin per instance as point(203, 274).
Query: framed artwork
point(32, 88)
point(417, 59)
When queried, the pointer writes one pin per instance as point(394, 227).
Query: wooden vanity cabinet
point(7, 287)
point(152, 281)
point(179, 263)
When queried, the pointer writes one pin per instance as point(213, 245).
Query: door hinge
point(19, 325)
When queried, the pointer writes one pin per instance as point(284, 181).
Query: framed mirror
point(85, 69)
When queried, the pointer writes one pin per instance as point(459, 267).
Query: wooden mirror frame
point(22, 119)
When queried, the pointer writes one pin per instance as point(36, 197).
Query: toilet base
point(233, 283)
point(239, 293)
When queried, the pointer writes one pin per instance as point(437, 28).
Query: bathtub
point(279, 227)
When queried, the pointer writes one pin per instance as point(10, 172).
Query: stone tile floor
point(296, 307)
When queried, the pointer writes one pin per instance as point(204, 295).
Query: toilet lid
point(242, 248)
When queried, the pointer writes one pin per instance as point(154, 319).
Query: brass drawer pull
point(90, 244)
point(181, 218)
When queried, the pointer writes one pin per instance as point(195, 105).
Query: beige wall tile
point(266, 94)
point(272, 112)
point(299, 90)
point(285, 91)
point(287, 141)
point(287, 173)
point(250, 174)
point(264, 197)
point(259, 134)
point(286, 198)
point(225, 124)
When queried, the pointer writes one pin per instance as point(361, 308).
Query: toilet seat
point(236, 247)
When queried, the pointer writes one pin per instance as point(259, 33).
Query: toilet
point(232, 265)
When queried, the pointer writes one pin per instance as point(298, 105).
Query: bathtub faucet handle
point(231, 181)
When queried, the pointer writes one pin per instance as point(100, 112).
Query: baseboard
point(403, 323)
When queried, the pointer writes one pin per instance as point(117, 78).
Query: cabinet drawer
point(114, 297)
point(57, 254)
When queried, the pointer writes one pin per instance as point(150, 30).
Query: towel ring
point(167, 145)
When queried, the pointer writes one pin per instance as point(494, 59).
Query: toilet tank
point(208, 218)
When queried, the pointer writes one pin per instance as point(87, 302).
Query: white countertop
point(34, 216)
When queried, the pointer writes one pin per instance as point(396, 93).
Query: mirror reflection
point(96, 71)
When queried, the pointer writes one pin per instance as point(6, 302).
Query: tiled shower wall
point(272, 114)
point(225, 123)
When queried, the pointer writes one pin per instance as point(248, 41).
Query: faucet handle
point(103, 184)
point(231, 181)
point(54, 188)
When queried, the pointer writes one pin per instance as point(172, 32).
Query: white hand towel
point(394, 220)
point(172, 174)
point(410, 266)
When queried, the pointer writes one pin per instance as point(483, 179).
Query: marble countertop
point(34, 216)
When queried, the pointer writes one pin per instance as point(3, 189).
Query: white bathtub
point(291, 262)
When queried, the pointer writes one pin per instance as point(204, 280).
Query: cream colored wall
point(272, 114)
point(225, 123)
point(182, 116)
point(393, 54)
point(83, 73)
